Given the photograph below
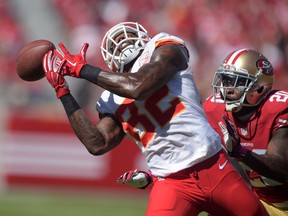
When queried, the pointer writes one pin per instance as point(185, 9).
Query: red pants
point(204, 187)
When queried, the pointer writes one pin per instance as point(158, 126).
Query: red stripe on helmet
point(228, 57)
point(232, 58)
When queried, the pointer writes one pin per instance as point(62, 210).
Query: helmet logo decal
point(265, 66)
point(144, 58)
point(228, 67)
point(244, 131)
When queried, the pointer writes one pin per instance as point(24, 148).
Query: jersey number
point(153, 106)
point(280, 96)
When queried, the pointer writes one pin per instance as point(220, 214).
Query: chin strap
point(237, 106)
point(128, 55)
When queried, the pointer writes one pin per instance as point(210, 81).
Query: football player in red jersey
point(152, 97)
point(252, 120)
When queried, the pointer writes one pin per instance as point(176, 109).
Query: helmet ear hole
point(260, 90)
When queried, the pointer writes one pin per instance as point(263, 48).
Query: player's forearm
point(84, 129)
point(267, 165)
point(116, 83)
point(136, 86)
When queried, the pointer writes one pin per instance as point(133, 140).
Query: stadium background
point(38, 151)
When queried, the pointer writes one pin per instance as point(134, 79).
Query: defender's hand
point(136, 178)
point(232, 140)
point(73, 63)
point(52, 67)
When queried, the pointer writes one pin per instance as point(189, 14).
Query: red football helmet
point(246, 71)
point(111, 50)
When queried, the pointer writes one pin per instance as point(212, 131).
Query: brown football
point(29, 60)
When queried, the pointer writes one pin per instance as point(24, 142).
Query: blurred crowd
point(211, 28)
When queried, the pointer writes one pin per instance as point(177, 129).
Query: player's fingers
point(63, 48)
point(131, 174)
point(231, 129)
point(223, 128)
point(54, 64)
point(59, 54)
point(44, 63)
point(229, 125)
point(50, 60)
point(60, 66)
point(120, 180)
point(225, 119)
point(126, 176)
point(84, 49)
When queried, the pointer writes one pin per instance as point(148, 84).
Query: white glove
point(136, 178)
point(232, 139)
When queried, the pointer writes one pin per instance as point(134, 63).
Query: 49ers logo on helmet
point(265, 66)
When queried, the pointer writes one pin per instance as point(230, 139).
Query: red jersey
point(255, 135)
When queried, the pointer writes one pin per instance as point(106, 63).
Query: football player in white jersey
point(152, 98)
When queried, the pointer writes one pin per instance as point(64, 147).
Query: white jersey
point(170, 126)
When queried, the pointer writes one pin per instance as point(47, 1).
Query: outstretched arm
point(273, 164)
point(165, 62)
point(99, 138)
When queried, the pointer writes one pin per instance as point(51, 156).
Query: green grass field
point(41, 203)
point(36, 203)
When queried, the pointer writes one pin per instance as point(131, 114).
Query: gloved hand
point(52, 67)
point(73, 63)
point(232, 140)
point(136, 178)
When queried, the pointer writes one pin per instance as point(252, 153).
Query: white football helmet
point(113, 55)
point(246, 71)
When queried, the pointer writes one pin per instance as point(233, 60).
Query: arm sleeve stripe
point(164, 42)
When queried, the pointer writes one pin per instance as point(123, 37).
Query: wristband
point(70, 104)
point(90, 73)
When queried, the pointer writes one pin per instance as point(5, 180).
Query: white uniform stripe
point(234, 55)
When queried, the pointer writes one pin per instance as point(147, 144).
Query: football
point(29, 60)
